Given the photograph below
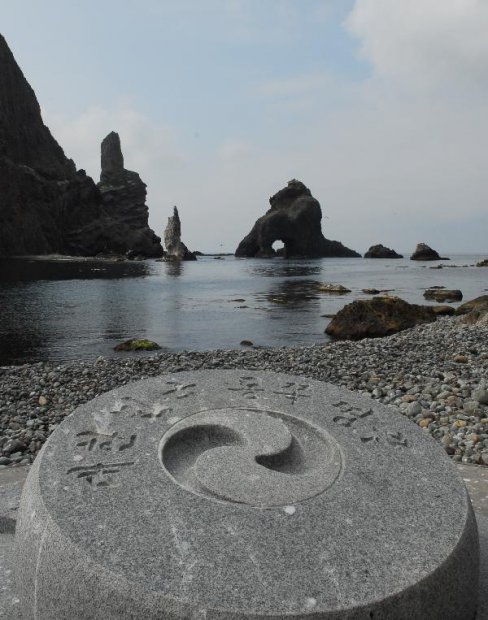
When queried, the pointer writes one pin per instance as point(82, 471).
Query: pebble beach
point(435, 374)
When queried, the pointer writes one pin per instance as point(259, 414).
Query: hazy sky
point(379, 106)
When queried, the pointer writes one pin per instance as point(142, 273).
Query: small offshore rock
point(332, 288)
point(246, 343)
point(381, 251)
point(443, 294)
point(424, 252)
point(482, 263)
point(137, 344)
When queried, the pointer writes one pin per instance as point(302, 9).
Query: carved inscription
point(180, 390)
point(293, 391)
point(92, 440)
point(249, 387)
point(349, 417)
point(141, 408)
point(100, 474)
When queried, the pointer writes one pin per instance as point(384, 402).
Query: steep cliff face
point(40, 189)
point(295, 219)
point(46, 205)
point(124, 200)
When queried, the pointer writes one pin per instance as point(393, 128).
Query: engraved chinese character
point(396, 439)
point(249, 386)
point(293, 391)
point(99, 475)
point(181, 390)
point(91, 440)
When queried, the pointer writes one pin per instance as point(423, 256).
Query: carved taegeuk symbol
point(250, 456)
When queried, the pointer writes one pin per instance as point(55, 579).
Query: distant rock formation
point(124, 200)
point(46, 205)
point(175, 248)
point(380, 251)
point(294, 218)
point(424, 252)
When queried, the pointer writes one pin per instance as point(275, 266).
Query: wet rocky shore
point(435, 374)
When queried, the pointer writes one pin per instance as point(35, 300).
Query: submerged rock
point(295, 219)
point(380, 251)
point(377, 317)
point(124, 199)
point(424, 252)
point(443, 294)
point(175, 248)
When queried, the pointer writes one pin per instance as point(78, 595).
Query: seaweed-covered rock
point(137, 344)
point(424, 252)
point(295, 219)
point(377, 317)
point(380, 251)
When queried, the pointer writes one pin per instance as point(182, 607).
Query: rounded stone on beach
point(243, 494)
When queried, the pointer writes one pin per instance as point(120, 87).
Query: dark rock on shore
point(295, 219)
point(377, 317)
point(424, 252)
point(125, 224)
point(380, 251)
point(175, 248)
point(475, 311)
point(443, 294)
point(47, 206)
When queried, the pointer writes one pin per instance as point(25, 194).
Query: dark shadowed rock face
point(380, 251)
point(377, 317)
point(294, 218)
point(124, 201)
point(175, 248)
point(46, 205)
point(424, 252)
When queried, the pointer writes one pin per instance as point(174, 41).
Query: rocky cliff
point(295, 219)
point(46, 205)
point(124, 201)
point(175, 248)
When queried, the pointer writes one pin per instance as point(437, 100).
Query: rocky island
point(295, 219)
point(48, 206)
point(175, 248)
point(380, 251)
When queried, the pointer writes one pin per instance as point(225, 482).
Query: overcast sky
point(379, 106)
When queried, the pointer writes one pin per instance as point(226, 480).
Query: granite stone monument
point(238, 494)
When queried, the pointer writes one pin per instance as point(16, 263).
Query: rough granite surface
point(130, 509)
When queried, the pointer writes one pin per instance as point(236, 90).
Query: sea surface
point(66, 309)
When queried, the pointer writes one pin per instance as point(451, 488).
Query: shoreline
point(434, 374)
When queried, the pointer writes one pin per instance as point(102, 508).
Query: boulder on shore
point(295, 219)
point(175, 248)
point(424, 252)
point(380, 251)
point(474, 311)
point(377, 317)
point(443, 294)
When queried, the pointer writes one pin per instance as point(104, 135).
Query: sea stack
point(175, 248)
point(380, 251)
point(124, 199)
point(295, 219)
point(424, 252)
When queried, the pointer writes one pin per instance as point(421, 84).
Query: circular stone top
point(239, 494)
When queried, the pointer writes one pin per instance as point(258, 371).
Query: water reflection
point(35, 269)
point(282, 269)
point(174, 268)
point(293, 294)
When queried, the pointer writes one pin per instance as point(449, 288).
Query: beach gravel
point(435, 374)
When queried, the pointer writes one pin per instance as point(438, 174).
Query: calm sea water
point(79, 309)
